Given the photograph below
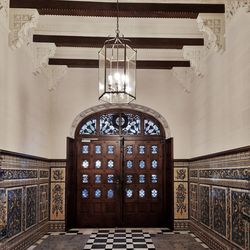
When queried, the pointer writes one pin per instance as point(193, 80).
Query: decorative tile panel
point(15, 174)
point(15, 205)
point(43, 201)
point(31, 201)
point(57, 174)
point(204, 204)
point(193, 173)
point(181, 200)
point(180, 174)
point(3, 214)
point(44, 174)
point(57, 209)
point(193, 200)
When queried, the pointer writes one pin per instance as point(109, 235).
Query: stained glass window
point(154, 149)
point(98, 178)
point(85, 163)
point(154, 193)
point(98, 164)
point(141, 149)
point(142, 178)
point(110, 149)
point(150, 128)
point(98, 149)
point(129, 149)
point(98, 193)
point(154, 178)
point(129, 193)
point(110, 164)
point(85, 149)
point(85, 193)
point(142, 164)
point(89, 128)
point(110, 178)
point(133, 126)
point(85, 178)
point(129, 164)
point(129, 178)
point(154, 164)
point(110, 193)
point(106, 125)
point(141, 193)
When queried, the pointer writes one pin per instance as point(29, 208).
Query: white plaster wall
point(156, 89)
point(221, 100)
point(24, 103)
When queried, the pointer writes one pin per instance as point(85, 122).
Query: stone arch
point(108, 106)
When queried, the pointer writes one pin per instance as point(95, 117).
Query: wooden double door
point(121, 182)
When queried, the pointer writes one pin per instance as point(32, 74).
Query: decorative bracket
point(22, 23)
point(232, 7)
point(185, 77)
point(54, 74)
point(196, 57)
point(4, 13)
point(213, 28)
point(41, 54)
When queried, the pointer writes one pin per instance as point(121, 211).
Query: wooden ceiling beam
point(140, 64)
point(107, 9)
point(139, 43)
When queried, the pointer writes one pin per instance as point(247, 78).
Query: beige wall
point(24, 103)
point(221, 100)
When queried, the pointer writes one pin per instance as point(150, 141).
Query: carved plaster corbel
point(213, 28)
point(196, 55)
point(232, 7)
point(41, 54)
point(54, 74)
point(185, 76)
point(22, 23)
point(4, 13)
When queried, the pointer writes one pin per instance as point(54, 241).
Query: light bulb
point(117, 76)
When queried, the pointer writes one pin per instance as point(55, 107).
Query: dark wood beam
point(140, 64)
point(139, 43)
point(154, 10)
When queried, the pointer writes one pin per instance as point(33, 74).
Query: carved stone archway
point(135, 107)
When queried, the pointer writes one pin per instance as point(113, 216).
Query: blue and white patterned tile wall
point(219, 188)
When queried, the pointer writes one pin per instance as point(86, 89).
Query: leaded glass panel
point(129, 178)
point(142, 164)
point(150, 128)
point(154, 164)
point(142, 193)
point(142, 178)
point(85, 178)
point(107, 127)
point(98, 164)
point(129, 164)
point(111, 149)
point(98, 178)
point(133, 126)
point(110, 164)
point(85, 149)
point(129, 149)
point(141, 149)
point(154, 193)
point(85, 164)
point(154, 178)
point(110, 193)
point(89, 128)
point(154, 149)
point(85, 193)
point(98, 193)
point(98, 149)
point(110, 178)
point(129, 193)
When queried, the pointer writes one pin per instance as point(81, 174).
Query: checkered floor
point(128, 239)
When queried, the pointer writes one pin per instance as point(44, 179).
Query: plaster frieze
point(21, 23)
point(185, 76)
point(196, 56)
point(41, 54)
point(213, 28)
point(4, 13)
point(54, 74)
point(232, 7)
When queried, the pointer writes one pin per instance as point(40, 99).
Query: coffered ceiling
point(157, 29)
